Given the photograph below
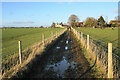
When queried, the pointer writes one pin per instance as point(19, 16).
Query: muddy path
point(64, 60)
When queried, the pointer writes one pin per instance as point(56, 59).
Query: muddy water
point(63, 60)
point(61, 66)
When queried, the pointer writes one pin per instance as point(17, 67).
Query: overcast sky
point(44, 13)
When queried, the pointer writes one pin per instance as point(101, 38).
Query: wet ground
point(64, 60)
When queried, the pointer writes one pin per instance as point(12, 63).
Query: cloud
point(23, 22)
point(116, 10)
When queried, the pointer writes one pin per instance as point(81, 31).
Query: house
point(60, 26)
point(78, 24)
point(65, 25)
point(115, 22)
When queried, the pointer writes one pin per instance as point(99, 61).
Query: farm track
point(64, 60)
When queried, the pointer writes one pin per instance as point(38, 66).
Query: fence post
point(20, 51)
point(77, 34)
point(87, 42)
point(43, 39)
point(56, 34)
point(110, 69)
point(81, 36)
point(52, 35)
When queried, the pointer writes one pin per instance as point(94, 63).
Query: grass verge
point(97, 71)
point(37, 51)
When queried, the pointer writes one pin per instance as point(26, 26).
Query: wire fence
point(12, 61)
point(98, 51)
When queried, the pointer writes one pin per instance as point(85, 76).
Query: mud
point(64, 60)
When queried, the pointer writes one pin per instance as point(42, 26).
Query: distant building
point(64, 25)
point(115, 22)
point(60, 26)
point(78, 24)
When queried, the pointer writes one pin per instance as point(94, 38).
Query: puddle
point(71, 47)
point(66, 48)
point(67, 42)
point(61, 41)
point(57, 47)
point(71, 41)
point(60, 67)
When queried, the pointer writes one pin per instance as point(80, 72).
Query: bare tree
point(53, 24)
point(106, 19)
point(72, 19)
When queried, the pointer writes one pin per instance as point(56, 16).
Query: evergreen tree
point(101, 21)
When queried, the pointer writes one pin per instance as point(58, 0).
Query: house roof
point(78, 22)
point(114, 21)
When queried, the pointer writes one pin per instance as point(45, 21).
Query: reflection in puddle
point(61, 41)
point(66, 48)
point(60, 67)
point(57, 47)
point(67, 42)
point(71, 41)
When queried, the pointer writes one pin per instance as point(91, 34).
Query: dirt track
point(64, 60)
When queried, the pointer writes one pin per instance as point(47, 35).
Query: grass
point(34, 52)
point(97, 71)
point(105, 35)
point(28, 36)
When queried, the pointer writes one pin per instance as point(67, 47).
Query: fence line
point(101, 52)
point(20, 52)
point(43, 38)
point(23, 55)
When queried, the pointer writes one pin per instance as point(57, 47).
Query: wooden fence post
point(43, 38)
point(76, 32)
point(87, 42)
point(77, 35)
point(52, 35)
point(20, 51)
point(110, 69)
point(81, 36)
point(56, 34)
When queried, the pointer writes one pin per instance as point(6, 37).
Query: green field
point(104, 35)
point(28, 36)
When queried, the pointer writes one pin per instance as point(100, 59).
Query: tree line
point(90, 22)
point(73, 21)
